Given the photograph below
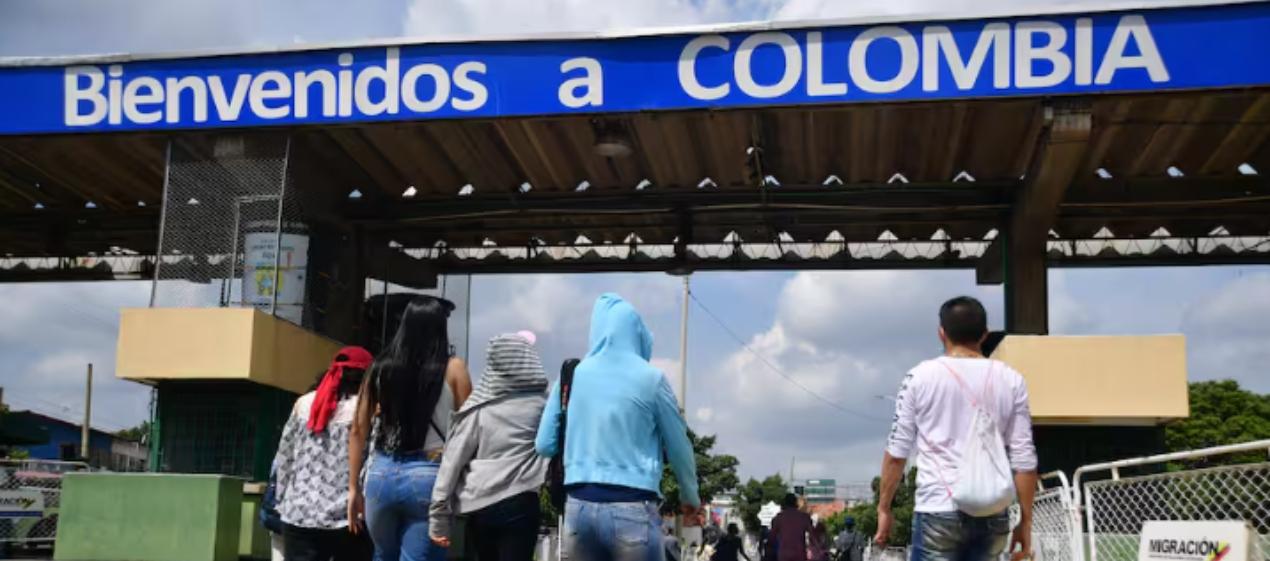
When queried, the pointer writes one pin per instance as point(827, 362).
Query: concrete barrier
point(149, 517)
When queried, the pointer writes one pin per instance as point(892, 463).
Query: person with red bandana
point(311, 467)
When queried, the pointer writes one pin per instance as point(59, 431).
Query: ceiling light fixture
point(611, 139)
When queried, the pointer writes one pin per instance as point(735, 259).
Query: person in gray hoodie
point(490, 470)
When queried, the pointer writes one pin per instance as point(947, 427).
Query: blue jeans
point(956, 536)
point(611, 531)
point(398, 493)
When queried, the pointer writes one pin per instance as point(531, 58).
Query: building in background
point(820, 491)
point(105, 450)
point(723, 511)
point(128, 455)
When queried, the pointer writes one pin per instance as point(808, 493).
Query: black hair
point(790, 501)
point(409, 374)
point(733, 529)
point(964, 320)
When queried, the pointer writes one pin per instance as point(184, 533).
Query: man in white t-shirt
point(933, 415)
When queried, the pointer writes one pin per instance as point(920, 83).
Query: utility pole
point(88, 414)
point(683, 390)
point(683, 351)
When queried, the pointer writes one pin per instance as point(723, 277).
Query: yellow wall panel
point(219, 344)
point(287, 356)
point(1108, 380)
point(184, 343)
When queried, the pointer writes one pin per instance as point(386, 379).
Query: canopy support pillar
point(1020, 252)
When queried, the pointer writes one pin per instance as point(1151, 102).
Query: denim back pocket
point(572, 515)
point(376, 487)
point(632, 524)
point(940, 531)
point(999, 524)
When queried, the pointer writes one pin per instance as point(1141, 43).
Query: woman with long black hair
point(414, 386)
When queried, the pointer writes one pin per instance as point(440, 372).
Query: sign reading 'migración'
point(1204, 540)
point(1164, 49)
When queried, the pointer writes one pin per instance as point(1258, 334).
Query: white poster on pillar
point(260, 252)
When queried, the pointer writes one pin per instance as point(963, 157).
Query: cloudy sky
point(847, 337)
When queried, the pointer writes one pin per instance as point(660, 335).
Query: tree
point(139, 433)
point(866, 514)
point(11, 453)
point(715, 473)
point(1221, 413)
point(754, 494)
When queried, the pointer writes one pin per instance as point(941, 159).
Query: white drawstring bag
point(985, 484)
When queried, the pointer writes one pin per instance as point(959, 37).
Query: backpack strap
point(970, 396)
point(566, 389)
point(960, 382)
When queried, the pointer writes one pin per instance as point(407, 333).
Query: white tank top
point(440, 420)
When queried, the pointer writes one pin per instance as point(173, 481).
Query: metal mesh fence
point(1117, 508)
point(874, 553)
point(1052, 524)
point(232, 232)
point(226, 428)
point(30, 497)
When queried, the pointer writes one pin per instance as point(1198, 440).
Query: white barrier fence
point(1053, 525)
point(874, 553)
point(1102, 520)
point(1116, 508)
point(30, 496)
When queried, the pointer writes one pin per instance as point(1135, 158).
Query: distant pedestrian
point(711, 533)
point(766, 545)
point(729, 547)
point(406, 402)
point(790, 529)
point(850, 544)
point(623, 417)
point(491, 472)
point(818, 543)
point(672, 550)
point(940, 405)
point(310, 471)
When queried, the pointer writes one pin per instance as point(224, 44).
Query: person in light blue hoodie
point(622, 415)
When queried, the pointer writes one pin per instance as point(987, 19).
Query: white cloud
point(670, 367)
point(50, 335)
point(39, 27)
point(802, 10)
point(848, 338)
point(1067, 314)
point(508, 17)
point(540, 303)
point(558, 309)
point(1227, 331)
point(54, 385)
point(704, 414)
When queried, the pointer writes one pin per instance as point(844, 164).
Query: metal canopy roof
point(1163, 159)
point(884, 174)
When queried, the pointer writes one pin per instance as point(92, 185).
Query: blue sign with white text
point(1167, 49)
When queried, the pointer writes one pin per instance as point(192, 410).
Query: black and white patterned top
point(312, 469)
